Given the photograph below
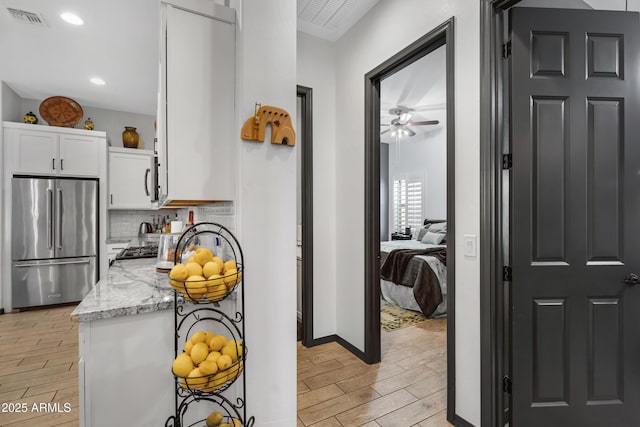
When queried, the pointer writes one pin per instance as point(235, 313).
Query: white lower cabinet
point(125, 372)
point(131, 178)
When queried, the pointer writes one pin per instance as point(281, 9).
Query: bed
point(415, 278)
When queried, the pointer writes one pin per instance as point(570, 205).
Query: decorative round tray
point(61, 111)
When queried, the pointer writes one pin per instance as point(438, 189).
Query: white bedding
point(402, 296)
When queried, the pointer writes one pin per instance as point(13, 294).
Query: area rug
point(393, 317)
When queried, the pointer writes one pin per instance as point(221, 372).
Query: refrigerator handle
point(55, 262)
point(50, 219)
point(59, 218)
point(146, 178)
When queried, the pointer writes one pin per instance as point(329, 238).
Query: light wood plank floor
point(39, 356)
point(39, 365)
point(407, 389)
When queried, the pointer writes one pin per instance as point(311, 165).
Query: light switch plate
point(469, 245)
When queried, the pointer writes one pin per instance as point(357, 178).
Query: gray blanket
point(401, 267)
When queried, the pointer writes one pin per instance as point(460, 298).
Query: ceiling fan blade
point(385, 124)
point(411, 133)
point(385, 131)
point(425, 122)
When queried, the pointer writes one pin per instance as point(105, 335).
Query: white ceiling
point(330, 19)
point(119, 43)
point(421, 86)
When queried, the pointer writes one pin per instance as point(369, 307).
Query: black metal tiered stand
point(189, 312)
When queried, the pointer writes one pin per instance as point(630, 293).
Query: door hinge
point(506, 384)
point(507, 161)
point(506, 49)
point(507, 273)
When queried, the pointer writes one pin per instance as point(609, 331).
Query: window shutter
point(407, 203)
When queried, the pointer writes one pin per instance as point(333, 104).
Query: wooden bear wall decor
point(281, 129)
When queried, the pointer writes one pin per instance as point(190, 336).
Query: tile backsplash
point(125, 223)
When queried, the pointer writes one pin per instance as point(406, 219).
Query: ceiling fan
point(400, 124)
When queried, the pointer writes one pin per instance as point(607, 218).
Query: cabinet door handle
point(53, 162)
point(112, 199)
point(61, 164)
point(146, 178)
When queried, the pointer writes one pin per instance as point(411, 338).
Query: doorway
point(441, 37)
point(576, 283)
point(305, 215)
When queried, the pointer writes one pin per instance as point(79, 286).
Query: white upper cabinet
point(78, 155)
point(34, 152)
point(196, 132)
point(53, 151)
point(130, 178)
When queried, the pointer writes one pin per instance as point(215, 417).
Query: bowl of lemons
point(209, 363)
point(205, 277)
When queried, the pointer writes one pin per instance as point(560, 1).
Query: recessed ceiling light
point(72, 18)
point(97, 81)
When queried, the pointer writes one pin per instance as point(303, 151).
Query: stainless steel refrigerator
point(54, 240)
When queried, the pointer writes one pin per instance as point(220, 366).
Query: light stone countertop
point(130, 287)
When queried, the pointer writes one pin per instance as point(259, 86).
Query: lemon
point(208, 367)
point(232, 277)
point(202, 256)
point(204, 250)
point(179, 272)
point(193, 269)
point(183, 365)
point(208, 337)
point(219, 261)
point(234, 371)
point(224, 362)
point(198, 337)
point(208, 388)
point(218, 380)
point(195, 287)
point(214, 356)
point(229, 265)
point(214, 419)
point(195, 380)
point(191, 260)
point(217, 343)
point(178, 286)
point(188, 346)
point(211, 268)
point(199, 352)
point(216, 292)
point(233, 349)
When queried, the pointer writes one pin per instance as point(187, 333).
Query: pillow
point(421, 233)
point(438, 227)
point(433, 238)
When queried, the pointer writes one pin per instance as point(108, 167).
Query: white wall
point(9, 111)
point(388, 28)
point(266, 210)
point(110, 121)
point(427, 155)
point(316, 69)
point(11, 108)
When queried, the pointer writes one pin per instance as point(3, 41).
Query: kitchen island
point(126, 343)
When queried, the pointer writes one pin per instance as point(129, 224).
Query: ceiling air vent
point(26, 17)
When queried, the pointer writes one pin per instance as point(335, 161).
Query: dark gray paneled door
point(575, 231)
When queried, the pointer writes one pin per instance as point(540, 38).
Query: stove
point(133, 252)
